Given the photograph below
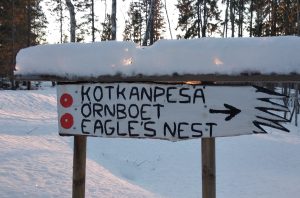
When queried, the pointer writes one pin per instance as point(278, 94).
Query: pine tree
point(241, 12)
point(225, 22)
point(134, 25)
point(86, 24)
point(186, 18)
point(106, 33)
point(158, 22)
point(109, 26)
point(260, 15)
point(22, 25)
point(155, 23)
point(7, 37)
point(71, 9)
point(298, 17)
point(114, 20)
point(38, 23)
point(287, 17)
point(251, 10)
point(146, 23)
point(273, 17)
point(57, 7)
point(198, 18)
point(274, 7)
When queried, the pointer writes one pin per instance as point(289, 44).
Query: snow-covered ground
point(36, 162)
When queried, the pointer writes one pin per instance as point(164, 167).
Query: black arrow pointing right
point(232, 111)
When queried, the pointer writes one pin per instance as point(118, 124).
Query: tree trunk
point(198, 19)
point(259, 23)
point(72, 20)
point(153, 13)
point(298, 17)
point(28, 85)
point(205, 18)
point(29, 10)
point(13, 60)
point(28, 23)
point(61, 21)
point(241, 17)
point(225, 27)
point(113, 20)
point(93, 22)
point(286, 18)
point(13, 83)
point(105, 9)
point(251, 18)
point(168, 19)
point(149, 27)
point(232, 17)
point(274, 17)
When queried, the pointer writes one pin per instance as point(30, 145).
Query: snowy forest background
point(25, 23)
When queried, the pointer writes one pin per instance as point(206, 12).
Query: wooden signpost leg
point(296, 104)
point(79, 162)
point(208, 168)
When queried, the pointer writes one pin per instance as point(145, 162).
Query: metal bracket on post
point(208, 168)
point(79, 164)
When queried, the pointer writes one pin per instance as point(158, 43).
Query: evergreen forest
point(23, 23)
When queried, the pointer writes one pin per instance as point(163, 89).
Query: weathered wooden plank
point(242, 78)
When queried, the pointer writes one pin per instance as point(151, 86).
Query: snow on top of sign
point(230, 56)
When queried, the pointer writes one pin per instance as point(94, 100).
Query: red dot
point(66, 100)
point(67, 121)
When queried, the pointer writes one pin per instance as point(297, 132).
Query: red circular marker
point(66, 100)
point(67, 121)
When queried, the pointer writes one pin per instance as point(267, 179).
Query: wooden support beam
point(79, 164)
point(208, 168)
point(242, 78)
point(296, 103)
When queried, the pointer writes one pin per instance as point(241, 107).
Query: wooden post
point(79, 162)
point(208, 168)
point(296, 104)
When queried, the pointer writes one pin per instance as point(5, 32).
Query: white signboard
point(166, 111)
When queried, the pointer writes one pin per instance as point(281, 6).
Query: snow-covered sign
point(99, 61)
point(166, 111)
